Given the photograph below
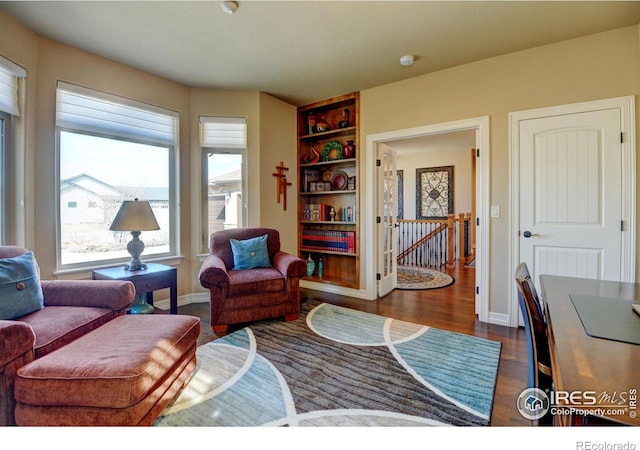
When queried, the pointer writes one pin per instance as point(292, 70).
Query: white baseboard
point(499, 319)
point(332, 288)
point(183, 300)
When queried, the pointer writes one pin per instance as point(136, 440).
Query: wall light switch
point(495, 211)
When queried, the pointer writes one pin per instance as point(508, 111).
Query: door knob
point(528, 234)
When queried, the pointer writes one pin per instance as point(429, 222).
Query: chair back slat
point(536, 329)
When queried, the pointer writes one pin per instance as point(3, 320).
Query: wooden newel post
point(470, 237)
point(461, 237)
point(450, 238)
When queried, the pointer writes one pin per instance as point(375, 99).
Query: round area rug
point(412, 277)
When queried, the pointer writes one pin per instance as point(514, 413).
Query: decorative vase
point(349, 150)
point(311, 265)
point(322, 125)
point(344, 123)
point(320, 267)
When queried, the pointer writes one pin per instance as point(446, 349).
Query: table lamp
point(135, 216)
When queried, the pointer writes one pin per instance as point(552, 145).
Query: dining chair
point(539, 375)
point(522, 271)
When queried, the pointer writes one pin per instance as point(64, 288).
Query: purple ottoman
point(123, 373)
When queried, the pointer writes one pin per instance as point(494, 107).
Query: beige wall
point(270, 139)
point(278, 143)
point(460, 159)
point(22, 48)
point(598, 66)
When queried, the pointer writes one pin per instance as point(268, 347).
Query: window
point(112, 149)
point(223, 141)
point(10, 87)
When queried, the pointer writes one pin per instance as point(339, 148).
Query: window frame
point(174, 241)
point(5, 173)
point(204, 191)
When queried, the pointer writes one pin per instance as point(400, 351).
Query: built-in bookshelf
point(328, 201)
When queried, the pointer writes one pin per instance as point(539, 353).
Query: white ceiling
point(303, 51)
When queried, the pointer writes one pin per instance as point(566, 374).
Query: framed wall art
point(434, 192)
point(400, 174)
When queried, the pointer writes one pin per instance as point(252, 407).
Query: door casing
point(369, 209)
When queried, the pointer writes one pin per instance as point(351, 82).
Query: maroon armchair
point(246, 295)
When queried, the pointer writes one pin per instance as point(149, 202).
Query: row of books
point(319, 212)
point(335, 241)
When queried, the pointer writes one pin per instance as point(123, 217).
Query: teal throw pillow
point(250, 253)
point(20, 290)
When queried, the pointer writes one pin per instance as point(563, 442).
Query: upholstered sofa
point(71, 308)
point(244, 295)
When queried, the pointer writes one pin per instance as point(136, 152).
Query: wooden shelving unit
point(328, 180)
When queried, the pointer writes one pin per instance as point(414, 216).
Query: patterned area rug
point(339, 367)
point(413, 277)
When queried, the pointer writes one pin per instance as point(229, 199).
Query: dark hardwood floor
point(450, 308)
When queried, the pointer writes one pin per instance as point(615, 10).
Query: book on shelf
point(348, 214)
point(317, 212)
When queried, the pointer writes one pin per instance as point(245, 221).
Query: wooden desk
point(582, 363)
point(156, 276)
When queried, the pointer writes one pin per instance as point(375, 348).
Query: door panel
point(571, 194)
point(570, 262)
point(387, 230)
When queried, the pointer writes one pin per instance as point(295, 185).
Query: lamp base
point(134, 267)
point(142, 307)
point(135, 248)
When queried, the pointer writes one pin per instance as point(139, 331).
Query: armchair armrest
point(289, 265)
point(16, 338)
point(213, 272)
point(111, 294)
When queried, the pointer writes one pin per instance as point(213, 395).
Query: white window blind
point(85, 109)
point(9, 75)
point(223, 132)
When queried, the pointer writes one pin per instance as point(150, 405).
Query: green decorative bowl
point(332, 151)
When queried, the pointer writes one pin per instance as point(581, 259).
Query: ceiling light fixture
point(229, 7)
point(406, 60)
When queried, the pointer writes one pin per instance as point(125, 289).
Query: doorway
point(480, 128)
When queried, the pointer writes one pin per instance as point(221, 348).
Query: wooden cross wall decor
point(281, 184)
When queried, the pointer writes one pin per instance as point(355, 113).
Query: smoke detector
point(229, 7)
point(406, 60)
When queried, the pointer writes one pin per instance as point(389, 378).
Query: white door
point(387, 230)
point(571, 194)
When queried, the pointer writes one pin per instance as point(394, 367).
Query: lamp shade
point(135, 215)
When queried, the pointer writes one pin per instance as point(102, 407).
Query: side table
point(156, 276)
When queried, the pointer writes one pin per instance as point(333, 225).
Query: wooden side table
point(156, 276)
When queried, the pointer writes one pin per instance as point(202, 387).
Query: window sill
point(84, 273)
